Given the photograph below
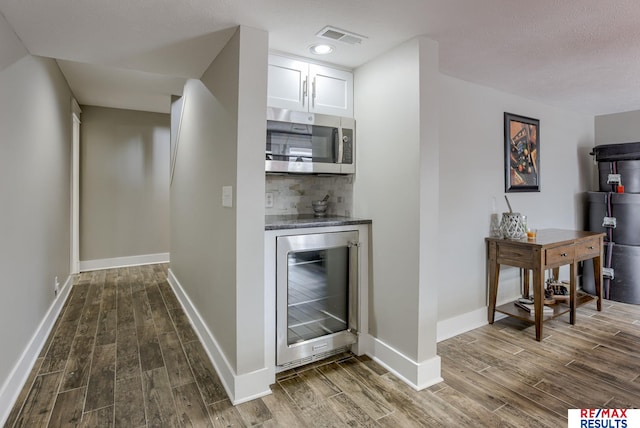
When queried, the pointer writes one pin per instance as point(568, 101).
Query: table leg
point(597, 275)
point(494, 274)
point(572, 293)
point(525, 286)
point(538, 296)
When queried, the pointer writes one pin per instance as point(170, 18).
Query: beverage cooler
point(316, 296)
point(615, 210)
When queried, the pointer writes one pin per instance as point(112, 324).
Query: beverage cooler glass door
point(316, 294)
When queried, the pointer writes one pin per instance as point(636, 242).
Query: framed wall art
point(521, 154)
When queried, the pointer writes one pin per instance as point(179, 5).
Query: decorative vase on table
point(513, 225)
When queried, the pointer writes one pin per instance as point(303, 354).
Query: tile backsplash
point(292, 194)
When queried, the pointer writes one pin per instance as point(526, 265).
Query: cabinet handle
point(591, 247)
point(564, 254)
point(313, 93)
point(304, 91)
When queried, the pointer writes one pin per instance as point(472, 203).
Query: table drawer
point(514, 255)
point(587, 249)
point(560, 255)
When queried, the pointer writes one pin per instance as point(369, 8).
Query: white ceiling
point(582, 55)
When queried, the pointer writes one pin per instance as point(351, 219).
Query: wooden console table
point(550, 249)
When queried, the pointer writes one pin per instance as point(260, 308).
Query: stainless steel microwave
point(309, 143)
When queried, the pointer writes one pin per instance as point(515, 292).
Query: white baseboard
point(15, 382)
point(239, 388)
point(417, 375)
point(118, 262)
point(463, 323)
point(252, 385)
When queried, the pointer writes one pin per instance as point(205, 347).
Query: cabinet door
point(287, 83)
point(331, 91)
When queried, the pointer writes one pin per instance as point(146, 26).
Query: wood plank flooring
point(122, 354)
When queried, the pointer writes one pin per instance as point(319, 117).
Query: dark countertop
point(276, 222)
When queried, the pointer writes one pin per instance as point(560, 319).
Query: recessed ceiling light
point(321, 49)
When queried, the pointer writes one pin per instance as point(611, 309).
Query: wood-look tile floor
point(122, 353)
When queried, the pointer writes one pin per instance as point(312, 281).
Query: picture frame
point(521, 153)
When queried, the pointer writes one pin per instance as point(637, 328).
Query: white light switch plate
point(227, 196)
point(268, 200)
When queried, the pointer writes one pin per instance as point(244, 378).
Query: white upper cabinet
point(331, 91)
point(297, 85)
point(287, 83)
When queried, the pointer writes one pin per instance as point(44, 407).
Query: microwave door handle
point(340, 146)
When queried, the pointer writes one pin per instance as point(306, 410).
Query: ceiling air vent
point(333, 33)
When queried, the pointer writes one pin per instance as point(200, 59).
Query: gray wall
point(35, 119)
point(469, 166)
point(403, 296)
point(217, 253)
point(472, 175)
point(618, 128)
point(124, 182)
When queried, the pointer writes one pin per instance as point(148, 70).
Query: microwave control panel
point(347, 146)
